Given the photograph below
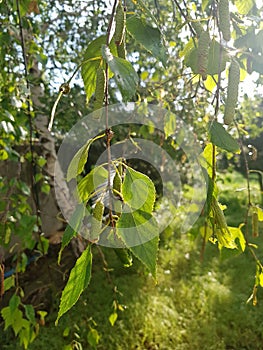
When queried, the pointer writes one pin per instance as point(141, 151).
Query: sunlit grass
point(195, 305)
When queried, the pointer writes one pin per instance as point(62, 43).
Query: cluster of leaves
point(21, 317)
point(184, 59)
point(207, 59)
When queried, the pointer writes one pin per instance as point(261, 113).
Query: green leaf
point(136, 226)
point(147, 253)
point(92, 61)
point(244, 7)
point(225, 239)
point(206, 159)
point(113, 318)
point(146, 10)
point(79, 160)
point(78, 280)
point(13, 319)
point(139, 232)
point(72, 228)
point(216, 55)
point(93, 337)
point(169, 124)
point(221, 138)
point(9, 282)
point(124, 256)
point(3, 154)
point(138, 190)
point(260, 214)
point(14, 303)
point(45, 188)
point(150, 38)
point(124, 74)
point(236, 233)
point(89, 75)
point(23, 7)
point(96, 177)
point(43, 245)
point(30, 313)
point(204, 4)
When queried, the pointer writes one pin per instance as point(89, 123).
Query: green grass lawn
point(195, 305)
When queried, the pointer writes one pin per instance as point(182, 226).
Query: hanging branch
point(109, 133)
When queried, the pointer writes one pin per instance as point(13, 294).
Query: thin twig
point(109, 133)
point(184, 16)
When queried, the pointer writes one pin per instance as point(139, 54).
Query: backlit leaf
point(217, 57)
point(9, 282)
point(79, 160)
point(78, 280)
point(72, 227)
point(169, 124)
point(95, 178)
point(113, 318)
point(92, 61)
point(124, 74)
point(221, 138)
point(13, 319)
point(139, 232)
point(138, 190)
point(150, 38)
point(244, 7)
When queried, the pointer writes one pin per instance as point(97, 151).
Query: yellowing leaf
point(236, 233)
point(244, 7)
point(206, 158)
point(261, 279)
point(113, 318)
point(210, 83)
point(260, 214)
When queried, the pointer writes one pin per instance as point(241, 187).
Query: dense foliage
point(188, 62)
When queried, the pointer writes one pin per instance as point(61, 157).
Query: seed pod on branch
point(224, 19)
point(198, 28)
point(120, 19)
point(96, 220)
point(232, 92)
point(203, 51)
point(121, 49)
point(219, 216)
point(117, 183)
point(100, 89)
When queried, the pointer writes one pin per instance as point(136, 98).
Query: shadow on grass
point(194, 306)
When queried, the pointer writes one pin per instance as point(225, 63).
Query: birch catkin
point(203, 51)
point(224, 19)
point(100, 88)
point(120, 24)
point(232, 92)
